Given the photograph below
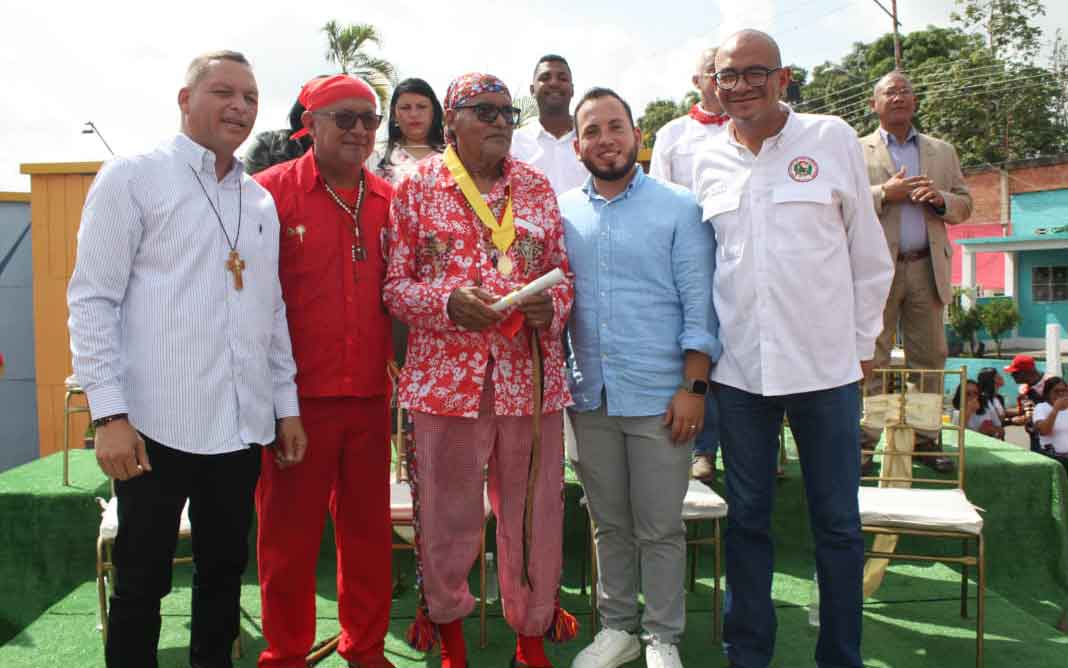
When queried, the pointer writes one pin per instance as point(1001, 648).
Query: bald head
point(706, 61)
point(750, 38)
point(891, 79)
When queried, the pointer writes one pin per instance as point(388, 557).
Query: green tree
point(998, 317)
point(657, 114)
point(964, 321)
point(528, 109)
point(990, 109)
point(1008, 25)
point(346, 46)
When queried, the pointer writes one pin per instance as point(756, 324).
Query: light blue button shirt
point(643, 264)
point(913, 223)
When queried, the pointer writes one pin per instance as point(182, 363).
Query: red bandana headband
point(325, 91)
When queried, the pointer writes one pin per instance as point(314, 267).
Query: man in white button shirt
point(673, 153)
point(547, 143)
point(179, 337)
point(678, 142)
point(802, 274)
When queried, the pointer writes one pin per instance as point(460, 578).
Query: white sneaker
point(661, 655)
point(609, 649)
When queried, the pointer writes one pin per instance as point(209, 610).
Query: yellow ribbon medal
point(503, 232)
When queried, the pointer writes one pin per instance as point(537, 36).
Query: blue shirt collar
point(635, 182)
point(887, 137)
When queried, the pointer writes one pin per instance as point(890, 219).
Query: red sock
point(530, 651)
point(453, 648)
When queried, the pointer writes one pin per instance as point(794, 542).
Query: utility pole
point(892, 13)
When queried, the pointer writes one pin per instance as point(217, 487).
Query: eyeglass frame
point(360, 118)
point(497, 111)
point(744, 74)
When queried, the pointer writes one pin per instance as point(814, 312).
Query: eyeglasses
point(487, 113)
point(754, 76)
point(346, 120)
point(897, 92)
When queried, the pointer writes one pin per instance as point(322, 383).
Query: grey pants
point(635, 479)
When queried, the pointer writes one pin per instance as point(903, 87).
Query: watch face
point(700, 387)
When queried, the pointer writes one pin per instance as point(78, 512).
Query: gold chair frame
point(693, 543)
point(400, 475)
point(900, 384)
point(73, 389)
point(105, 573)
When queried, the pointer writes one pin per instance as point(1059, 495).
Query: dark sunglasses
point(487, 113)
point(346, 120)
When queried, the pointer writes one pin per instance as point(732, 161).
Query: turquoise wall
point(1034, 315)
point(1031, 211)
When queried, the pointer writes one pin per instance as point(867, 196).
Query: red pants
point(452, 452)
point(345, 470)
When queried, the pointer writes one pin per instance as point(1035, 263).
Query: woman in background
point(1051, 419)
point(416, 130)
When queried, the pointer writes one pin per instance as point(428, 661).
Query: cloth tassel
point(564, 626)
point(422, 633)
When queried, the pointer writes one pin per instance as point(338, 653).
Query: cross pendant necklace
point(358, 252)
point(234, 264)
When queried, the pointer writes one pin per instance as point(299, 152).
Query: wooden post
point(57, 194)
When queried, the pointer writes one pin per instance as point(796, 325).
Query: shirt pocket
point(722, 210)
point(301, 246)
point(806, 218)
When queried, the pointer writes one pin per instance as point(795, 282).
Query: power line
point(918, 83)
point(1000, 85)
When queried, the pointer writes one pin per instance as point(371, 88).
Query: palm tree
point(346, 47)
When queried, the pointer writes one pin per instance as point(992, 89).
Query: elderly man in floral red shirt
point(469, 227)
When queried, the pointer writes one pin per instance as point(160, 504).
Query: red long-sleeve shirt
point(337, 322)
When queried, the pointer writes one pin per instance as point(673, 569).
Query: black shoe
point(868, 467)
point(939, 464)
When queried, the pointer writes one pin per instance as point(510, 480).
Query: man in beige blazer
point(918, 188)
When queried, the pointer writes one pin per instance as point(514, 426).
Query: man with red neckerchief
point(332, 264)
point(678, 141)
point(469, 227)
point(677, 144)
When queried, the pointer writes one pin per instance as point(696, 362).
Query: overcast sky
point(119, 63)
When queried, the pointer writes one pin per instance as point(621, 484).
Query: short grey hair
point(892, 74)
point(199, 66)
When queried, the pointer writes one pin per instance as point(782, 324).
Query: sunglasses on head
point(346, 120)
point(487, 113)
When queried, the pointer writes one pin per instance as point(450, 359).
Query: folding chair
point(402, 511)
point(73, 389)
point(701, 503)
point(105, 566)
point(930, 506)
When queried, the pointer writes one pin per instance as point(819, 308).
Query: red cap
point(324, 91)
point(1021, 363)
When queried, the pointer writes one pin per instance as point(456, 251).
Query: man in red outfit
point(332, 263)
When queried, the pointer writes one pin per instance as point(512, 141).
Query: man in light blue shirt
point(643, 338)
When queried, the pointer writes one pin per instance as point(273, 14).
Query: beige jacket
point(938, 160)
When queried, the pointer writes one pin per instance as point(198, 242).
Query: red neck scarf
point(704, 118)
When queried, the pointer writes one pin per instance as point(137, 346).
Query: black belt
point(912, 256)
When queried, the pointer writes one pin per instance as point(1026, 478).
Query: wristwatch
point(100, 422)
point(696, 386)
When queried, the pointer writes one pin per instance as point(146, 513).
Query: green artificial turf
point(48, 602)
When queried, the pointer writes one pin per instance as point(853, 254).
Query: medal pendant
point(504, 265)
